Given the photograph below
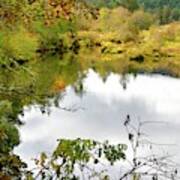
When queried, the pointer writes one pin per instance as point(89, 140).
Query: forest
point(167, 11)
point(47, 45)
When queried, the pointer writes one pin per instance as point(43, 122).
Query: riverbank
point(155, 51)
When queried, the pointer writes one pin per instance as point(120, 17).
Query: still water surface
point(101, 111)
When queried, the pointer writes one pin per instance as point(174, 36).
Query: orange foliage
point(58, 85)
point(63, 8)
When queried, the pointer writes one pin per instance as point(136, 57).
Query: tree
point(73, 159)
point(130, 4)
point(142, 20)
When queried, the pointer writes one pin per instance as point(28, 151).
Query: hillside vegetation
point(165, 10)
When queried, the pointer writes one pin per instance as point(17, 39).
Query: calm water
point(101, 111)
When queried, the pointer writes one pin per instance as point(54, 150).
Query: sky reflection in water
point(104, 107)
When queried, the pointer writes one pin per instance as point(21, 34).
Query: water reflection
point(102, 111)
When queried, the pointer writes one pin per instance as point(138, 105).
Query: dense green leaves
point(10, 164)
point(166, 11)
point(153, 4)
point(129, 4)
point(9, 137)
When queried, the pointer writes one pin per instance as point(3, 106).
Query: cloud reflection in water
point(105, 106)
